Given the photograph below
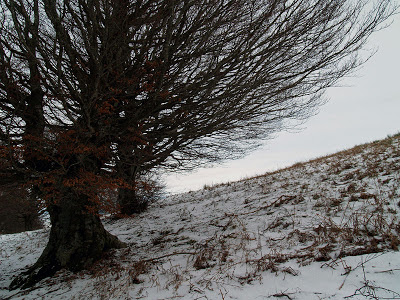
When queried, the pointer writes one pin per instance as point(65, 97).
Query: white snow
point(325, 229)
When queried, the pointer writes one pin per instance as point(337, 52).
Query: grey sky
point(364, 108)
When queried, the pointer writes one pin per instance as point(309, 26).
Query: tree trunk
point(130, 202)
point(128, 199)
point(77, 239)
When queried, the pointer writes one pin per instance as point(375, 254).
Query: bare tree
point(94, 93)
point(18, 211)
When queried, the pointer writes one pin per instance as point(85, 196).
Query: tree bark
point(131, 203)
point(128, 199)
point(77, 240)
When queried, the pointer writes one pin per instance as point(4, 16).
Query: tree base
point(77, 240)
point(131, 203)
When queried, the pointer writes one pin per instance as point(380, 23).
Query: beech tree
point(95, 93)
point(18, 211)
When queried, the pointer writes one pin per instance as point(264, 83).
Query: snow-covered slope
point(325, 229)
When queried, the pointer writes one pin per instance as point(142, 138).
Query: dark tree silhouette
point(96, 93)
point(18, 211)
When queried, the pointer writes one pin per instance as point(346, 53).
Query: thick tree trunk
point(77, 239)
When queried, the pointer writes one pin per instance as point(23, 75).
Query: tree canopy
point(93, 93)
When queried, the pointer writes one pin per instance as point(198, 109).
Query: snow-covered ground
point(325, 229)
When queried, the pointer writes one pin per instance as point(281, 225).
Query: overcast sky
point(364, 108)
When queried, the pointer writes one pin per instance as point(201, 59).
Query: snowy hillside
point(325, 229)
